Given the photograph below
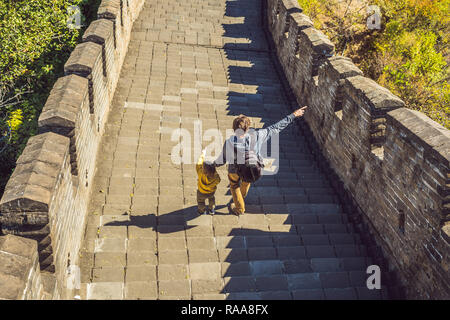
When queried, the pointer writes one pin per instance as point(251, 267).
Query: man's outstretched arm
point(265, 134)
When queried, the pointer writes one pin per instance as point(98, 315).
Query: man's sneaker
point(212, 211)
point(232, 209)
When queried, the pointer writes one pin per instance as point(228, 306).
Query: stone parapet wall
point(20, 276)
point(47, 195)
point(392, 161)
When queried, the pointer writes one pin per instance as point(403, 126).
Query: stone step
point(288, 180)
point(296, 191)
point(246, 287)
point(291, 199)
point(294, 242)
point(287, 249)
point(322, 218)
point(351, 293)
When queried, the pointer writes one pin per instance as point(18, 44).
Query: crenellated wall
point(20, 277)
point(391, 164)
point(47, 195)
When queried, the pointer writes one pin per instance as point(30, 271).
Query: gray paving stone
point(340, 294)
point(287, 241)
point(105, 290)
point(201, 243)
point(315, 239)
point(239, 284)
point(285, 253)
point(304, 281)
point(271, 283)
point(223, 242)
point(202, 286)
point(276, 295)
point(294, 266)
point(266, 267)
point(109, 259)
point(140, 273)
point(365, 294)
point(263, 253)
point(308, 294)
point(141, 245)
point(173, 272)
point(255, 241)
point(173, 257)
point(108, 274)
point(174, 288)
point(197, 256)
point(326, 264)
point(209, 296)
point(335, 279)
point(143, 258)
point(320, 252)
point(141, 290)
point(205, 271)
point(244, 296)
point(170, 243)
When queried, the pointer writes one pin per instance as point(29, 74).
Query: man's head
point(241, 124)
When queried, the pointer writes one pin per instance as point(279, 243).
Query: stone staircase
point(144, 239)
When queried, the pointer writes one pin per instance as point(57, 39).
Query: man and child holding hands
point(242, 153)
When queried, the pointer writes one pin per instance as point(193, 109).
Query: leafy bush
point(35, 42)
point(408, 55)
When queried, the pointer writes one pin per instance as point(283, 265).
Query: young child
point(208, 179)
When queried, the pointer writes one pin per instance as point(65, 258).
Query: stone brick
point(141, 290)
point(105, 290)
point(208, 270)
point(173, 272)
point(140, 273)
point(174, 288)
point(108, 274)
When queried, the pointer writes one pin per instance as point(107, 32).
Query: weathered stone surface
point(109, 9)
point(372, 93)
point(30, 189)
point(98, 31)
point(20, 277)
point(62, 106)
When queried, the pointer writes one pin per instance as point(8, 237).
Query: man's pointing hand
point(300, 112)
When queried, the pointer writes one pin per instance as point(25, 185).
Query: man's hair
point(209, 169)
point(242, 122)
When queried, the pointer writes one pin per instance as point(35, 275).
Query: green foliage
point(409, 55)
point(35, 42)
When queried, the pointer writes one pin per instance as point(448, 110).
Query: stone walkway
point(192, 60)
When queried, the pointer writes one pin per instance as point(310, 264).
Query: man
point(234, 153)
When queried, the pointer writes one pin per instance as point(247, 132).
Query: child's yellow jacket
point(206, 185)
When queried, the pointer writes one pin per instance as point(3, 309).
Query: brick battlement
point(393, 162)
point(46, 198)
